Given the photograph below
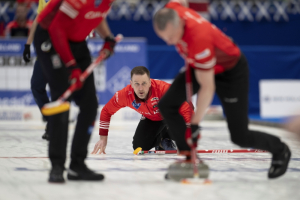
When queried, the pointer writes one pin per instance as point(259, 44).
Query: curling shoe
point(81, 172)
point(56, 174)
point(46, 134)
point(166, 144)
point(280, 163)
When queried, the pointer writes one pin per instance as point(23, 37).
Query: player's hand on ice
point(26, 53)
point(75, 76)
point(100, 145)
point(108, 47)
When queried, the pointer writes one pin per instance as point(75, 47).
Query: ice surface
point(24, 168)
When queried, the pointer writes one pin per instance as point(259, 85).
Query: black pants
point(149, 134)
point(232, 89)
point(38, 86)
point(57, 77)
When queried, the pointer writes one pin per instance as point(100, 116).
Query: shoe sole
point(76, 178)
point(57, 182)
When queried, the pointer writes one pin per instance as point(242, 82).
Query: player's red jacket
point(203, 45)
point(148, 108)
point(71, 20)
point(14, 24)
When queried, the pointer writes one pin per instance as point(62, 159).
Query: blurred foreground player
point(63, 53)
point(142, 95)
point(38, 81)
point(216, 64)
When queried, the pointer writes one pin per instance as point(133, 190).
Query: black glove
point(192, 135)
point(109, 45)
point(75, 73)
point(195, 133)
point(26, 53)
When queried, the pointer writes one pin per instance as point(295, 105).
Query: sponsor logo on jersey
point(94, 15)
point(117, 96)
point(56, 61)
point(136, 105)
point(143, 117)
point(46, 46)
point(156, 112)
point(155, 106)
point(231, 100)
point(155, 99)
point(97, 3)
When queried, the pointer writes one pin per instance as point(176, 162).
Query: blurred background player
point(217, 64)
point(20, 26)
point(142, 95)
point(63, 53)
point(38, 80)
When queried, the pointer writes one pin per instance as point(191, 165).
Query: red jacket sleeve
point(117, 102)
point(68, 11)
point(58, 34)
point(185, 111)
point(8, 28)
point(164, 86)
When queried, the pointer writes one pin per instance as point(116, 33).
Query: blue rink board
point(129, 53)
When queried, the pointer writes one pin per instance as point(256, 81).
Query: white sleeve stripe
point(104, 123)
point(68, 10)
point(203, 54)
point(71, 62)
point(206, 65)
point(104, 127)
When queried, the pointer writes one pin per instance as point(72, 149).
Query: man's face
point(21, 13)
point(141, 85)
point(172, 34)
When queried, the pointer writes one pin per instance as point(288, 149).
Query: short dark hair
point(163, 17)
point(140, 70)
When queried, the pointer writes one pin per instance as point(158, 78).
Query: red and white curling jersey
point(148, 108)
point(72, 20)
point(203, 45)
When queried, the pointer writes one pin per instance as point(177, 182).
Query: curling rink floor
point(24, 168)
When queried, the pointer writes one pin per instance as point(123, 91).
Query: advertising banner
point(279, 98)
point(110, 76)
